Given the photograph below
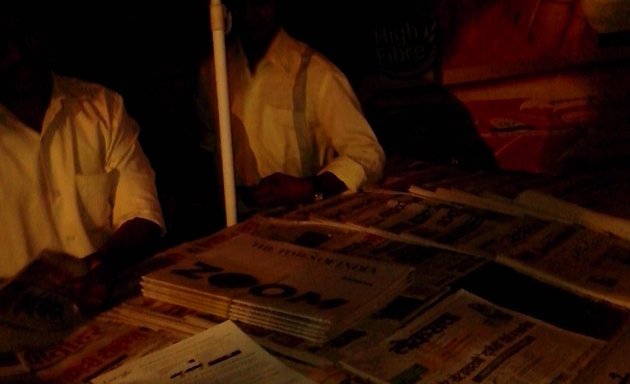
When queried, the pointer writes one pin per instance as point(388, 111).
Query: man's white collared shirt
point(68, 188)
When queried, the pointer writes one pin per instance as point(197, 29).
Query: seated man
point(298, 130)
point(74, 179)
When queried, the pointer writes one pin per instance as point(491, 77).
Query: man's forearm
point(135, 240)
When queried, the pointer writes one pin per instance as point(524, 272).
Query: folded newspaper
point(38, 305)
point(292, 289)
point(221, 354)
point(466, 339)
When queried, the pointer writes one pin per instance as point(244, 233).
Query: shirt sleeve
point(135, 192)
point(358, 157)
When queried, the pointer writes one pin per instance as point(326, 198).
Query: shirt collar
point(59, 90)
point(281, 50)
point(57, 96)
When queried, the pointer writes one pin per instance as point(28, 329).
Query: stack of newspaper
point(300, 291)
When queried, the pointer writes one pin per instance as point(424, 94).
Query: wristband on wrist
point(93, 262)
point(318, 193)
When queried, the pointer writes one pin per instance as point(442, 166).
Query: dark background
point(151, 52)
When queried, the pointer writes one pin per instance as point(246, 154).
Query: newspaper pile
point(299, 291)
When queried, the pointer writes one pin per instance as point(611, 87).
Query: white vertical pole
point(217, 25)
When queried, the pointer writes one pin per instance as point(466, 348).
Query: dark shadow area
point(427, 123)
point(391, 55)
point(526, 295)
point(150, 54)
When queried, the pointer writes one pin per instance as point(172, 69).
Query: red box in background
point(531, 135)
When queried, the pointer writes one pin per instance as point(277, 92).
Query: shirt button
point(56, 194)
point(71, 238)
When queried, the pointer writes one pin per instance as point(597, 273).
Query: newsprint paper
point(612, 365)
point(465, 339)
point(301, 291)
point(221, 354)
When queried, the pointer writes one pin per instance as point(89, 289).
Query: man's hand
point(90, 282)
point(47, 294)
point(133, 242)
point(281, 189)
point(79, 280)
point(93, 290)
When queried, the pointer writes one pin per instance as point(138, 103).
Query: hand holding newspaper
point(221, 354)
point(38, 304)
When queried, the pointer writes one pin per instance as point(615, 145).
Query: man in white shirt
point(298, 130)
point(73, 177)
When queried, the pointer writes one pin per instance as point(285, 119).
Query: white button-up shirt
point(71, 186)
point(279, 125)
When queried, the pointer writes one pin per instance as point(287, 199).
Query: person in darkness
point(74, 180)
point(298, 130)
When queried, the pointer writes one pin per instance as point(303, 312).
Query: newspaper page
point(574, 213)
point(465, 338)
point(407, 217)
point(306, 233)
point(585, 262)
point(612, 366)
point(480, 201)
point(401, 173)
point(221, 354)
point(403, 180)
point(435, 268)
point(445, 225)
point(339, 208)
point(91, 350)
point(602, 190)
point(504, 184)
